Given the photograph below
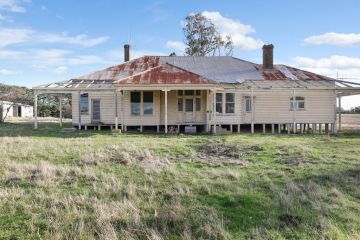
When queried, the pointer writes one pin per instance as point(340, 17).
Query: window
point(148, 99)
point(189, 92)
point(230, 103)
point(187, 99)
point(198, 104)
point(299, 103)
point(189, 105)
point(248, 104)
point(135, 103)
point(180, 104)
point(219, 102)
point(84, 103)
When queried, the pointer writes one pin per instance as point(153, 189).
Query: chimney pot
point(268, 56)
point(127, 52)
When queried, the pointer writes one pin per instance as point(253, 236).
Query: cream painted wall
point(271, 106)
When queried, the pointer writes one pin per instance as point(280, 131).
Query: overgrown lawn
point(93, 185)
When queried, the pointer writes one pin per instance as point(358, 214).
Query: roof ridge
point(190, 72)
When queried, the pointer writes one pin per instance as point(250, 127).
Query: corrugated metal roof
point(218, 69)
point(165, 74)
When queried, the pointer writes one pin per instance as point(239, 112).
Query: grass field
point(93, 185)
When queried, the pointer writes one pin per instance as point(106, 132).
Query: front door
point(96, 111)
point(189, 109)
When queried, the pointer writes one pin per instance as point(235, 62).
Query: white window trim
point(89, 101)
point(297, 104)
point(246, 98)
point(142, 105)
point(223, 104)
point(184, 97)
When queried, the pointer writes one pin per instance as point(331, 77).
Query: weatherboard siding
point(271, 106)
point(274, 107)
point(107, 108)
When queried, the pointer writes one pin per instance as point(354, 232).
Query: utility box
point(190, 129)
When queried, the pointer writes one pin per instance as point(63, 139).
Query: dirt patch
point(290, 220)
point(217, 151)
point(293, 155)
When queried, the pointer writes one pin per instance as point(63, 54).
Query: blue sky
point(46, 41)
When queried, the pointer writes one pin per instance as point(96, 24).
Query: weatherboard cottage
point(203, 94)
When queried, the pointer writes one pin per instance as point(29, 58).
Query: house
point(10, 109)
point(203, 94)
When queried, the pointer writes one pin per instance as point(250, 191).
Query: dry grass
point(92, 185)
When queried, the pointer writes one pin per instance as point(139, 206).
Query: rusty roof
point(165, 74)
point(195, 70)
point(283, 72)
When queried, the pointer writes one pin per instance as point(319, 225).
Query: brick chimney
point(126, 52)
point(268, 56)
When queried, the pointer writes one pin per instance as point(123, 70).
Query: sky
point(47, 41)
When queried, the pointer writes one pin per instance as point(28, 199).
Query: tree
point(355, 110)
point(203, 39)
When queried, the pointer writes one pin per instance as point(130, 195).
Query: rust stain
point(297, 74)
point(166, 74)
point(150, 70)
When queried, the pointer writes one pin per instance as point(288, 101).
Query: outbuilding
point(10, 109)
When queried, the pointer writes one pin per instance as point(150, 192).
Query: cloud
point(84, 60)
point(6, 72)
point(9, 54)
point(11, 6)
point(81, 39)
point(55, 60)
point(175, 45)
point(61, 70)
point(2, 17)
point(11, 36)
point(237, 30)
point(331, 38)
point(344, 67)
point(334, 62)
point(49, 53)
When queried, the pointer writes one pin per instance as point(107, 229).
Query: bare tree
point(203, 39)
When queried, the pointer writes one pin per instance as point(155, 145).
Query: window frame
point(198, 104)
point(183, 95)
point(219, 103)
point(180, 100)
point(139, 103)
point(229, 102)
point(248, 102)
point(87, 104)
point(296, 103)
point(143, 103)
